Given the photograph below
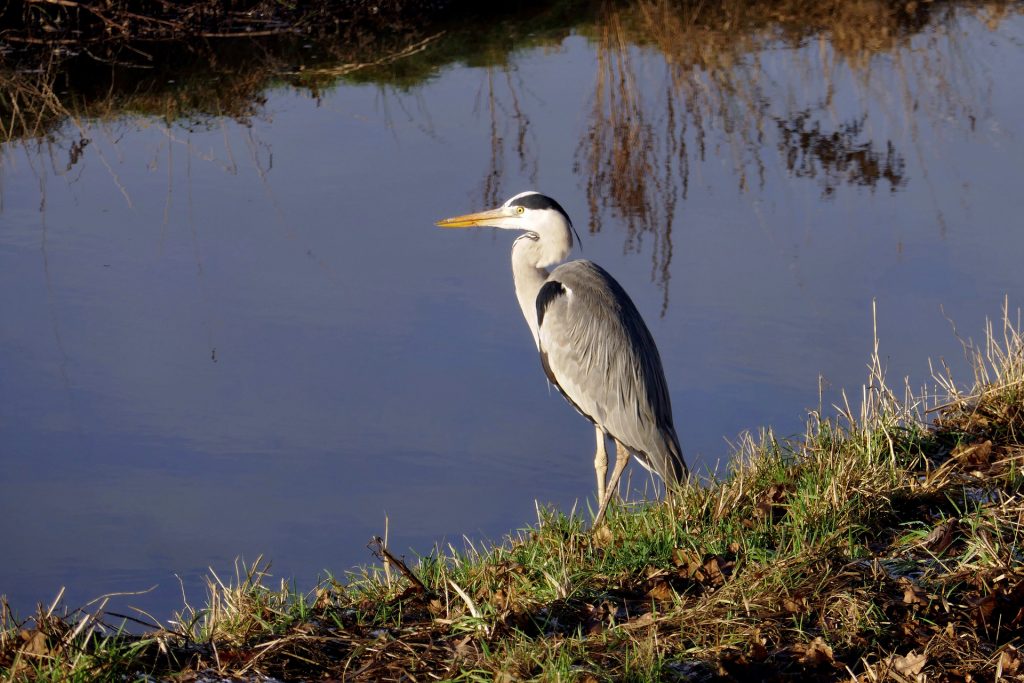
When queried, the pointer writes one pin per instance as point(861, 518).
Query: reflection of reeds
point(630, 170)
point(837, 158)
point(642, 142)
point(501, 110)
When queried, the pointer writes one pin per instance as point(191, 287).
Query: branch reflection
point(706, 89)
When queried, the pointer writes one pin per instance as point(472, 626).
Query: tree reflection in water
point(636, 156)
point(711, 97)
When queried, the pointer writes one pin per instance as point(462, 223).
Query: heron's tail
point(664, 457)
point(670, 464)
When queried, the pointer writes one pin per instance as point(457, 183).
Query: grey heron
point(594, 346)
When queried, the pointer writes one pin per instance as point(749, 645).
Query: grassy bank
point(884, 544)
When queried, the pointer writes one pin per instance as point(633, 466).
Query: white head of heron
point(541, 217)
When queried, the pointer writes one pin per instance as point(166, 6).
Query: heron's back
point(597, 350)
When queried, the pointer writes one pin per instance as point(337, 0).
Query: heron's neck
point(530, 255)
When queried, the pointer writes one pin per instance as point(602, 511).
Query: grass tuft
point(885, 544)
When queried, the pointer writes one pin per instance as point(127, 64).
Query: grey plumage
point(593, 344)
point(596, 349)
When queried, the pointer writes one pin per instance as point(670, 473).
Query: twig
point(378, 548)
point(344, 69)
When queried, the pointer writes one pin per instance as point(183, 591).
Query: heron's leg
point(600, 463)
point(621, 460)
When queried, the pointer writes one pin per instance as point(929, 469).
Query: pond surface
point(223, 337)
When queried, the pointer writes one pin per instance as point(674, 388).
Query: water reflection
point(839, 157)
point(228, 327)
point(643, 142)
point(509, 127)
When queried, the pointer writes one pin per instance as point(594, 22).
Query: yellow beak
point(480, 218)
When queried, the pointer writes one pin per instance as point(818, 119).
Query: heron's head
point(529, 211)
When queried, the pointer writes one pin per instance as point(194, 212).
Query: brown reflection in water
point(504, 111)
point(631, 170)
point(837, 158)
point(636, 155)
point(642, 141)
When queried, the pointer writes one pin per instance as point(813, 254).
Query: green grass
point(881, 545)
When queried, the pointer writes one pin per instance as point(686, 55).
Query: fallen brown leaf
point(942, 536)
point(817, 653)
point(770, 500)
point(687, 560)
point(792, 606)
point(912, 594)
point(35, 643)
point(645, 619)
point(910, 664)
point(464, 646)
point(602, 536)
point(1009, 662)
point(661, 590)
point(713, 576)
point(974, 457)
point(506, 677)
point(758, 651)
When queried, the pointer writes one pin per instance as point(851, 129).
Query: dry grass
point(878, 547)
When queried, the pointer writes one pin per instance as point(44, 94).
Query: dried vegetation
point(883, 545)
point(879, 547)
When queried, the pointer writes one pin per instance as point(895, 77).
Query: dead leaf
point(913, 595)
point(794, 606)
point(645, 619)
point(974, 457)
point(661, 591)
point(1009, 662)
point(324, 597)
point(1004, 605)
point(464, 646)
point(713, 573)
point(942, 536)
point(35, 643)
point(597, 618)
point(770, 500)
point(602, 536)
point(984, 607)
point(909, 665)
point(758, 651)
point(687, 560)
point(817, 653)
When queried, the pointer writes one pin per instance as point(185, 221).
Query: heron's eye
point(520, 210)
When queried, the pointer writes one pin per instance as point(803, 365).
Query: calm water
point(224, 339)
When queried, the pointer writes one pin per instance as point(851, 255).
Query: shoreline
point(884, 544)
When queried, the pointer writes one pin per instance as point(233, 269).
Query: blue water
point(247, 338)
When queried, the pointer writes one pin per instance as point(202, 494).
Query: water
point(226, 337)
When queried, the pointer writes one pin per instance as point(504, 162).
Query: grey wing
point(597, 350)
